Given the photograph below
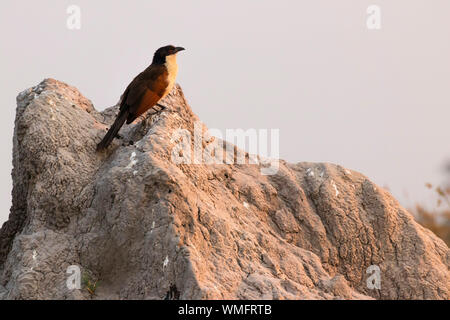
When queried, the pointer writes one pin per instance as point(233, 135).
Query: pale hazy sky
point(376, 101)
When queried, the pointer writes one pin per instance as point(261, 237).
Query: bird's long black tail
point(112, 132)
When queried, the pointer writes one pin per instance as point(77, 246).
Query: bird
point(146, 90)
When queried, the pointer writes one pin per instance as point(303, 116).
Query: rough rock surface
point(144, 227)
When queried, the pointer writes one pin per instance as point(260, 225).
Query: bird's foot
point(155, 111)
point(162, 107)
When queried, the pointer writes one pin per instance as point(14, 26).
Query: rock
point(141, 226)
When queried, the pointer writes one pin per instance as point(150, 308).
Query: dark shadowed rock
point(143, 227)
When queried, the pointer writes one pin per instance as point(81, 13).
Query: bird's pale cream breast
point(172, 69)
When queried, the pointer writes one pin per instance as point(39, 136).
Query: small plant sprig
point(89, 283)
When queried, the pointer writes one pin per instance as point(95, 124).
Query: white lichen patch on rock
point(133, 160)
point(333, 184)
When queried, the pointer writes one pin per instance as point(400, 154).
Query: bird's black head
point(162, 53)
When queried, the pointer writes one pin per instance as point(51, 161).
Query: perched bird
point(146, 90)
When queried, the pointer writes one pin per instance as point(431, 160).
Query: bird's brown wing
point(133, 92)
point(148, 100)
point(141, 94)
point(145, 91)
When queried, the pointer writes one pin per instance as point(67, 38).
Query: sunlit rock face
point(139, 225)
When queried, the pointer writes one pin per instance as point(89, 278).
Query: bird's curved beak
point(178, 49)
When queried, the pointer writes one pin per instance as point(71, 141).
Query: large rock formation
point(142, 226)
